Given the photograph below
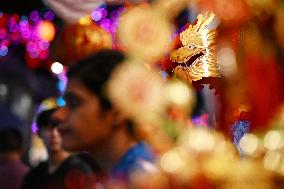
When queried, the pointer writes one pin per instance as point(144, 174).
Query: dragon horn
point(203, 20)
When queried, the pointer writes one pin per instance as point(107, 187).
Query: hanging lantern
point(79, 40)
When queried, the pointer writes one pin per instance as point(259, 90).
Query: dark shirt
point(132, 161)
point(73, 173)
point(12, 173)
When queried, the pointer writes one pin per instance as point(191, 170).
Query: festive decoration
point(197, 58)
point(145, 33)
point(80, 40)
point(108, 21)
point(239, 129)
point(136, 90)
point(46, 31)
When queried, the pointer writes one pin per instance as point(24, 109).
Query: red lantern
point(78, 41)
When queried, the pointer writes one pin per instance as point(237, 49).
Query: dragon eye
point(191, 46)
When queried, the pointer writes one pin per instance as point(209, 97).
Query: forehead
point(76, 87)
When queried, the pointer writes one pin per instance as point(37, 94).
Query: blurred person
point(91, 123)
point(12, 169)
point(62, 170)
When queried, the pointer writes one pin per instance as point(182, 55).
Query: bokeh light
point(34, 15)
point(3, 50)
point(201, 139)
point(57, 68)
point(86, 20)
point(227, 61)
point(249, 144)
point(179, 93)
point(272, 140)
point(173, 161)
point(60, 101)
point(46, 30)
point(3, 90)
point(272, 160)
point(49, 15)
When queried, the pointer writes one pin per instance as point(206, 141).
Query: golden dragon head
point(197, 57)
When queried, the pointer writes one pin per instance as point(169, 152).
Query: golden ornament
point(197, 57)
point(80, 40)
point(145, 33)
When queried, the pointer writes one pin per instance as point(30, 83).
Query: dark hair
point(43, 119)
point(95, 70)
point(11, 140)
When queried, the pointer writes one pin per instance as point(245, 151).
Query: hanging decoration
point(135, 90)
point(197, 57)
point(80, 40)
point(144, 33)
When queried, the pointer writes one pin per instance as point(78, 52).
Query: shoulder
point(75, 162)
point(136, 158)
point(141, 151)
point(40, 168)
point(35, 174)
point(79, 173)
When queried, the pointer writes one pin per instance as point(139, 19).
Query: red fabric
point(264, 89)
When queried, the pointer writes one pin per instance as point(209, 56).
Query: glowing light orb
point(57, 68)
point(46, 31)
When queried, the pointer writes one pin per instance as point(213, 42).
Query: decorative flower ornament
point(138, 92)
point(145, 33)
point(196, 58)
